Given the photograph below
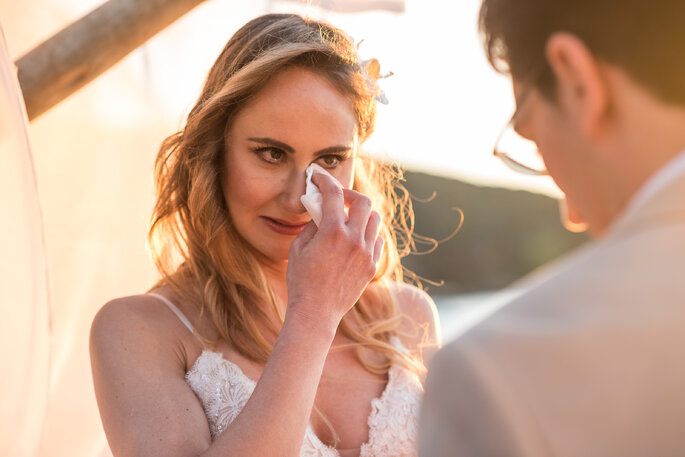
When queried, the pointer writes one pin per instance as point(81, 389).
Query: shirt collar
point(659, 180)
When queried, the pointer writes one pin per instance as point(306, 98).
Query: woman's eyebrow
point(333, 149)
point(272, 142)
point(289, 149)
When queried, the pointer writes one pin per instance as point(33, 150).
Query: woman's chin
point(274, 256)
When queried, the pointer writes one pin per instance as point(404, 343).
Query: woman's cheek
point(345, 173)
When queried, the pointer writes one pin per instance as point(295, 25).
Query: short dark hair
point(645, 38)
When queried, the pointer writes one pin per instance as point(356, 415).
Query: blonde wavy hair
point(198, 252)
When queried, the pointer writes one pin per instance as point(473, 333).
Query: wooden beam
point(83, 50)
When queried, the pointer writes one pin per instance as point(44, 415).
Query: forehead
point(298, 103)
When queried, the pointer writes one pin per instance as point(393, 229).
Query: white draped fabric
point(24, 318)
point(353, 6)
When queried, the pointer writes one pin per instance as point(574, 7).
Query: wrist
point(313, 325)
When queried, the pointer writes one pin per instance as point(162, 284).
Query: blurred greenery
point(505, 233)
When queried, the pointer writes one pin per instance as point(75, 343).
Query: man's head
point(644, 38)
point(605, 90)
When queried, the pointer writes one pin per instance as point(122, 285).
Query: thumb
point(305, 235)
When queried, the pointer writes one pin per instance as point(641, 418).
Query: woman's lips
point(284, 227)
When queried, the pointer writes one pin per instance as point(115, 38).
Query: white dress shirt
point(659, 180)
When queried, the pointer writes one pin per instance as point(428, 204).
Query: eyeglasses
point(517, 152)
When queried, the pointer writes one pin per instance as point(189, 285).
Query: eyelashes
point(332, 160)
point(269, 154)
point(276, 156)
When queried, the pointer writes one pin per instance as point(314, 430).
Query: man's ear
point(581, 87)
point(570, 217)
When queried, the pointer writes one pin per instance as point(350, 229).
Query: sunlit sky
point(446, 107)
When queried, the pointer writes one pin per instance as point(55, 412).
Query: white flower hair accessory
point(371, 69)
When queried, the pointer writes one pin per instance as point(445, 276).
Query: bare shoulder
point(421, 331)
point(127, 315)
point(137, 322)
point(138, 361)
point(415, 303)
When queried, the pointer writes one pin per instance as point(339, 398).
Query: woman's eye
point(271, 155)
point(331, 161)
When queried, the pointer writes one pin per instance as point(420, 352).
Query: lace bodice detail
point(223, 390)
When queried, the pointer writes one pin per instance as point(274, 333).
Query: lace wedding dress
point(223, 390)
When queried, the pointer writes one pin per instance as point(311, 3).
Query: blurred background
point(89, 164)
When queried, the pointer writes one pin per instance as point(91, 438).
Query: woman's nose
point(293, 189)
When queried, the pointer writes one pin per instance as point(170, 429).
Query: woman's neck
point(275, 274)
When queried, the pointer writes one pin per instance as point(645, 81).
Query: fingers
point(362, 221)
point(378, 249)
point(372, 238)
point(332, 206)
point(307, 233)
point(372, 228)
point(302, 239)
point(334, 198)
point(360, 208)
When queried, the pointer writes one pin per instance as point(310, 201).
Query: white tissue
point(312, 198)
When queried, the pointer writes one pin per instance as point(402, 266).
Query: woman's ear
point(582, 89)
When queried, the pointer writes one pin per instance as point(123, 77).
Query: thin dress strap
point(175, 310)
point(395, 339)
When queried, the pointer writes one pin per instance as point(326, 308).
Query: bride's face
point(297, 119)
